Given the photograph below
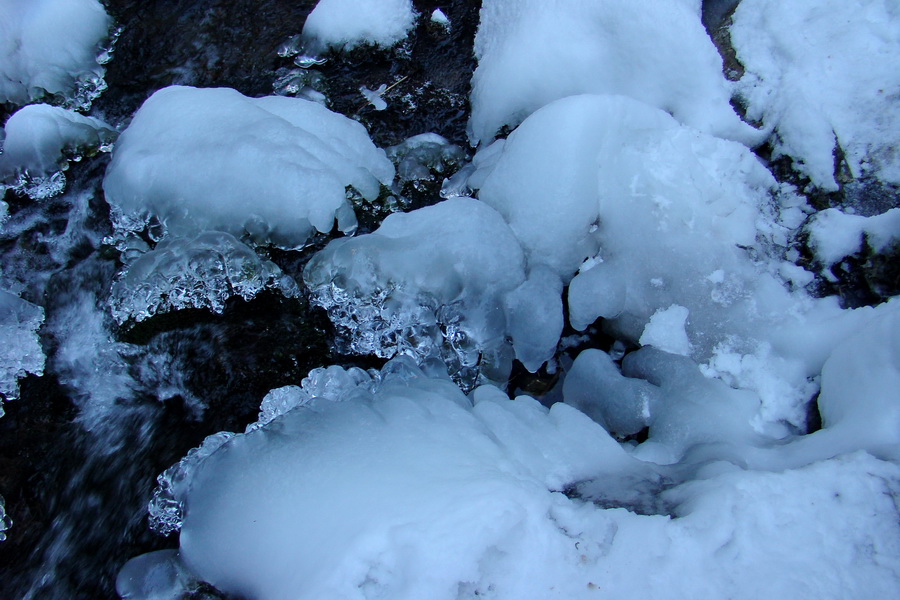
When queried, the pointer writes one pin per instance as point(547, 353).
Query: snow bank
point(20, 353)
point(274, 167)
point(50, 47)
point(345, 24)
point(533, 52)
point(824, 74)
point(40, 140)
point(427, 283)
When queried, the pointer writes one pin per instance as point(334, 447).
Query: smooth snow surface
point(49, 47)
point(274, 167)
point(345, 24)
point(824, 74)
point(535, 51)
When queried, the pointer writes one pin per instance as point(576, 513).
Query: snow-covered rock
point(274, 168)
point(824, 74)
point(345, 24)
point(533, 52)
point(51, 47)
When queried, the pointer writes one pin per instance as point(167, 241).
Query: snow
point(274, 167)
point(533, 52)
point(40, 138)
point(21, 352)
point(823, 74)
point(431, 278)
point(345, 24)
point(665, 330)
point(49, 47)
point(834, 235)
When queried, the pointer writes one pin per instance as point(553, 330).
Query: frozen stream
point(512, 299)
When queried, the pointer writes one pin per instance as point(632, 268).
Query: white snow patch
point(835, 235)
point(666, 330)
point(345, 24)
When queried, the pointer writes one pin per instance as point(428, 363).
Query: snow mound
point(823, 75)
point(429, 283)
point(40, 142)
point(20, 353)
point(273, 168)
point(202, 272)
point(533, 52)
point(345, 24)
point(50, 47)
point(399, 486)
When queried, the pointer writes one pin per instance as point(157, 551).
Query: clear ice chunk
point(20, 353)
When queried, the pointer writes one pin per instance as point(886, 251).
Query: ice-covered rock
point(20, 352)
point(534, 52)
point(50, 47)
point(345, 24)
point(275, 168)
point(200, 272)
point(429, 283)
point(41, 140)
point(823, 75)
point(425, 157)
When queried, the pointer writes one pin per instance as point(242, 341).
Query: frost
point(202, 272)
point(20, 353)
point(275, 168)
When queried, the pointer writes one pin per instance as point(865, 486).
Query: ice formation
point(425, 157)
point(429, 283)
point(200, 272)
point(41, 140)
point(21, 352)
point(823, 75)
point(418, 491)
point(532, 53)
point(345, 24)
point(273, 168)
point(50, 47)
point(834, 235)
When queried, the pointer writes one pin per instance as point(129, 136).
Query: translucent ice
point(200, 272)
point(20, 352)
point(274, 167)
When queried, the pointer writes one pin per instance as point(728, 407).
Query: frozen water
point(429, 283)
point(41, 140)
point(425, 157)
point(345, 24)
point(154, 576)
point(657, 51)
point(665, 330)
point(823, 75)
point(275, 168)
point(200, 272)
point(50, 47)
point(20, 352)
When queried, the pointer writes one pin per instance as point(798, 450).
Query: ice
point(823, 75)
point(425, 157)
point(275, 168)
point(21, 352)
point(153, 576)
point(5, 521)
point(534, 313)
point(200, 272)
point(50, 48)
point(534, 52)
point(428, 283)
point(41, 140)
point(834, 235)
point(345, 24)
